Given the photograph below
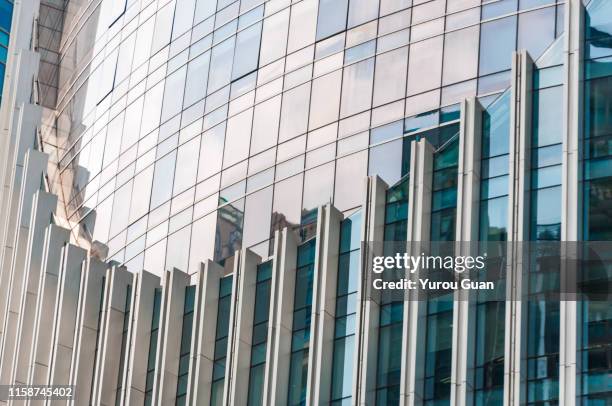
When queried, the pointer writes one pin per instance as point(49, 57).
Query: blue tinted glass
point(498, 8)
point(548, 107)
point(423, 120)
point(494, 187)
point(386, 132)
point(342, 367)
point(332, 17)
point(494, 219)
point(359, 52)
point(546, 214)
point(496, 127)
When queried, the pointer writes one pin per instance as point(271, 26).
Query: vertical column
point(518, 221)
point(23, 296)
point(14, 259)
point(571, 190)
point(83, 361)
point(271, 336)
point(56, 239)
point(135, 385)
point(64, 320)
point(468, 191)
point(243, 330)
point(167, 360)
point(369, 310)
point(203, 344)
point(109, 371)
point(324, 298)
point(231, 332)
point(278, 368)
point(419, 224)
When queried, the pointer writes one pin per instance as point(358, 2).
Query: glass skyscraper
point(187, 186)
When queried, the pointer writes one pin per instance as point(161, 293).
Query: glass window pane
point(237, 138)
point(294, 113)
point(424, 68)
point(173, 94)
point(247, 51)
point(274, 37)
point(163, 27)
point(536, 31)
point(303, 25)
point(350, 172)
point(332, 17)
point(186, 165)
point(325, 100)
point(265, 125)
point(318, 186)
point(197, 78)
point(460, 55)
point(257, 217)
point(141, 194)
point(390, 65)
point(164, 176)
point(361, 11)
point(183, 17)
point(548, 107)
point(357, 85)
point(497, 42)
point(221, 65)
point(211, 151)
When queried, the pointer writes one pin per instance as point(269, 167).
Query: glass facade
point(195, 121)
point(302, 318)
point(183, 131)
point(259, 340)
point(346, 311)
point(221, 340)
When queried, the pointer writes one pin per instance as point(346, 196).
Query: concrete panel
point(203, 342)
point(12, 277)
point(369, 310)
point(271, 338)
point(571, 189)
point(231, 332)
point(22, 302)
point(243, 332)
point(518, 222)
point(141, 337)
point(466, 229)
point(316, 306)
point(326, 279)
point(283, 305)
point(108, 377)
point(65, 317)
point(82, 369)
point(419, 222)
point(167, 362)
point(56, 239)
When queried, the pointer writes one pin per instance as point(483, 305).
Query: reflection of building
point(168, 136)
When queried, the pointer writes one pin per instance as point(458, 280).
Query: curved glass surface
point(186, 129)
